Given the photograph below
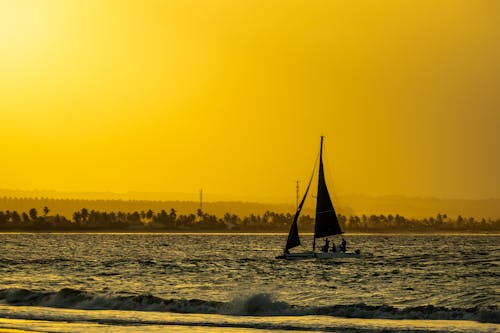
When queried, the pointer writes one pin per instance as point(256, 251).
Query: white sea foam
point(256, 304)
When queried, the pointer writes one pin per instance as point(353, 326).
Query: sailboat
point(326, 223)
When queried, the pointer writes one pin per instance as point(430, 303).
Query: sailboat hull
point(319, 255)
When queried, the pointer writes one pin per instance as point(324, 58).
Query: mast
point(327, 223)
point(320, 170)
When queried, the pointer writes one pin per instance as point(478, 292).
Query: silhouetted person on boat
point(343, 245)
point(326, 246)
point(334, 248)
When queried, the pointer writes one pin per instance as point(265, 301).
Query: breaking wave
point(258, 304)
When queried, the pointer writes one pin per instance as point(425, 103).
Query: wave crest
point(256, 304)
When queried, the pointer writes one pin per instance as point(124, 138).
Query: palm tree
point(84, 214)
point(77, 217)
point(15, 217)
point(172, 215)
point(25, 217)
point(33, 214)
point(200, 214)
point(46, 210)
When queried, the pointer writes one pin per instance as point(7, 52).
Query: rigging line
point(309, 184)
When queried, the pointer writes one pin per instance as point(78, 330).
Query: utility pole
point(201, 199)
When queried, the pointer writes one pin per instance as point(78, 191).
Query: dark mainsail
point(293, 236)
point(327, 223)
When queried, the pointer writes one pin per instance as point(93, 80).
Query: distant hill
point(422, 207)
point(410, 207)
point(67, 207)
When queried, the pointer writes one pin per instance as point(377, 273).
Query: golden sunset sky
point(232, 95)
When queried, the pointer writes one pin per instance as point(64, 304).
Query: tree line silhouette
point(93, 220)
point(66, 207)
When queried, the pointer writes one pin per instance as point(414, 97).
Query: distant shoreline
point(201, 232)
point(148, 221)
point(411, 207)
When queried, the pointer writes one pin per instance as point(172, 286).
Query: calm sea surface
point(231, 282)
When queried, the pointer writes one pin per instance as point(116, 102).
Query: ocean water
point(232, 283)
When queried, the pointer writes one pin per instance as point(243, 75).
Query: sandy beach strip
point(12, 330)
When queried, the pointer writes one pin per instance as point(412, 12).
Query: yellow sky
point(232, 96)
